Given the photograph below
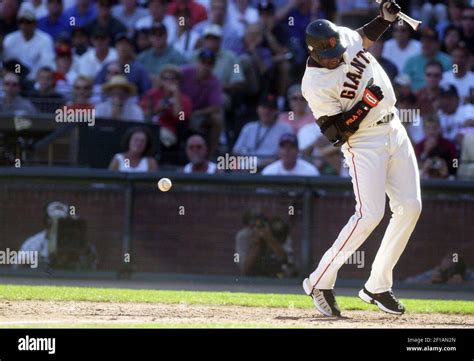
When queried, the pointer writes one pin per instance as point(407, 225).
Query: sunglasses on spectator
point(11, 83)
point(158, 33)
point(433, 75)
point(113, 72)
point(26, 21)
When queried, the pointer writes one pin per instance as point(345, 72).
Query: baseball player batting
point(353, 101)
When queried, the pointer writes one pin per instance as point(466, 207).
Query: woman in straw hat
point(120, 103)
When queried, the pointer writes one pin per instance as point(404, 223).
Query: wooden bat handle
point(415, 24)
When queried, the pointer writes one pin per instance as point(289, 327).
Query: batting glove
point(372, 95)
point(389, 10)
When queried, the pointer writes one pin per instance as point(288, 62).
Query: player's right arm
point(339, 127)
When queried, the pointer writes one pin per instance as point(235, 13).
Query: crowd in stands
point(223, 76)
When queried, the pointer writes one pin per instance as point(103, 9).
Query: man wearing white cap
point(32, 47)
point(227, 67)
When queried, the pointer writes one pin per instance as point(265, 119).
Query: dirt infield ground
point(56, 314)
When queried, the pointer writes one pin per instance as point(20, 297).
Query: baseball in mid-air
point(164, 184)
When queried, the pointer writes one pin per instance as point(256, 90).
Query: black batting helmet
point(322, 40)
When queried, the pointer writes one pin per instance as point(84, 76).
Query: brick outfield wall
point(202, 240)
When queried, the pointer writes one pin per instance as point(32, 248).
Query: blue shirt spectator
point(83, 12)
point(55, 23)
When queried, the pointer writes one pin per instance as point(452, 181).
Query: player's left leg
point(403, 189)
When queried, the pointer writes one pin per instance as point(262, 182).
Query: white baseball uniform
point(380, 158)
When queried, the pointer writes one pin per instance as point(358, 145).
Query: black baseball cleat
point(386, 301)
point(324, 300)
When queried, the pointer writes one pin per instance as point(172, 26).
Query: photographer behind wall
point(62, 244)
point(264, 247)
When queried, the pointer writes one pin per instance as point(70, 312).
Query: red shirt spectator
point(165, 104)
point(435, 154)
point(197, 11)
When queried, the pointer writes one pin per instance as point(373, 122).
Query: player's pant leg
point(403, 189)
point(367, 163)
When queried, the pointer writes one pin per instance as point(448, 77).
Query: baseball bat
point(415, 24)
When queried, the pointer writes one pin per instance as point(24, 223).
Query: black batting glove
point(389, 10)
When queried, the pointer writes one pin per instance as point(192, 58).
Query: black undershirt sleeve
point(376, 28)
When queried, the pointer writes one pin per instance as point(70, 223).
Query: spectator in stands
point(402, 86)
point(435, 153)
point(289, 163)
point(410, 115)
point(297, 13)
point(205, 91)
point(12, 102)
point(316, 147)
point(65, 73)
point(105, 21)
point(157, 9)
point(414, 67)
point(402, 46)
point(433, 10)
point(197, 11)
point(264, 247)
point(80, 41)
point(142, 40)
point(8, 16)
point(256, 60)
point(241, 15)
point(129, 67)
point(166, 105)
point(197, 153)
point(120, 104)
point(455, 9)
point(260, 138)
point(40, 8)
point(31, 46)
point(45, 98)
point(460, 76)
point(467, 24)
point(160, 53)
point(390, 68)
point(226, 61)
point(452, 37)
point(138, 155)
point(82, 93)
point(427, 98)
point(218, 14)
point(187, 38)
point(128, 13)
point(95, 58)
point(453, 118)
point(12, 66)
point(299, 113)
point(83, 12)
point(55, 23)
point(466, 166)
point(276, 38)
